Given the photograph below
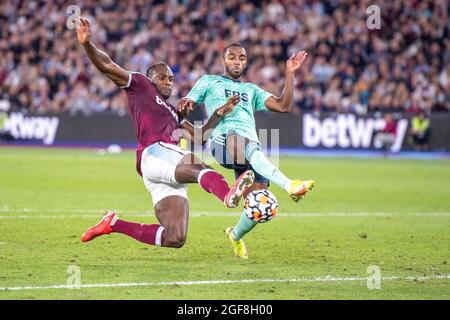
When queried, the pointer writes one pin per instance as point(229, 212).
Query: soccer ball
point(261, 206)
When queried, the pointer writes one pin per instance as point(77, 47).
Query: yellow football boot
point(239, 247)
point(300, 188)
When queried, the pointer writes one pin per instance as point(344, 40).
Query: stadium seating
point(404, 66)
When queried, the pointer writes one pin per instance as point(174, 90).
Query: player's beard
point(165, 92)
point(234, 73)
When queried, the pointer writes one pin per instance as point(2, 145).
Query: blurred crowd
point(403, 66)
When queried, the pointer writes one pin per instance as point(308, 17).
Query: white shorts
point(158, 165)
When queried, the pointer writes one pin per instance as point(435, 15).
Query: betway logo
point(39, 128)
point(346, 131)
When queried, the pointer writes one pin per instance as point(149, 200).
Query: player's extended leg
point(250, 150)
point(243, 226)
point(192, 170)
point(239, 165)
point(172, 213)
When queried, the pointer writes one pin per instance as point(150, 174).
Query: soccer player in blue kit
point(235, 144)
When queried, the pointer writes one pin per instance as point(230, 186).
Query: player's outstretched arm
point(99, 58)
point(283, 103)
point(203, 133)
point(195, 96)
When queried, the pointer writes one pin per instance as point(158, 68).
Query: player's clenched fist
point(84, 31)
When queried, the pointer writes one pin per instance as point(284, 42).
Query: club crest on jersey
point(165, 105)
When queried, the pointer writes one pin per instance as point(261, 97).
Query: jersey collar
point(225, 77)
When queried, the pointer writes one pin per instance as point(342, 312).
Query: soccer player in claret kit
point(164, 166)
point(235, 144)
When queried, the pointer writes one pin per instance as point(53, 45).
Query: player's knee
point(178, 243)
point(175, 238)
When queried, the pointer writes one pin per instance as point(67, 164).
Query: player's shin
point(213, 182)
point(243, 227)
point(147, 233)
point(265, 168)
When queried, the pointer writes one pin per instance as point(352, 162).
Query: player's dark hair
point(232, 45)
point(151, 69)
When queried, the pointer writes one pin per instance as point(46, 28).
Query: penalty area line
point(215, 282)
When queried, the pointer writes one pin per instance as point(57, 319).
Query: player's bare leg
point(191, 170)
point(172, 213)
point(240, 148)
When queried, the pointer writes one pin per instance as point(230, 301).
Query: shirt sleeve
point(259, 99)
point(136, 82)
point(199, 90)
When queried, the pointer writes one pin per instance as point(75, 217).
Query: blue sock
point(243, 226)
point(265, 168)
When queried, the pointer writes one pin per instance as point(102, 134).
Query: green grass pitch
point(394, 214)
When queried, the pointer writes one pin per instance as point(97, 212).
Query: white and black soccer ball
point(261, 206)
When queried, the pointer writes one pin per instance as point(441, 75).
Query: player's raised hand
point(84, 31)
point(228, 107)
point(295, 61)
point(186, 105)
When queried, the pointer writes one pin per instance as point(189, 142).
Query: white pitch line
point(29, 210)
point(100, 210)
point(65, 216)
point(13, 216)
point(212, 282)
point(211, 213)
point(219, 214)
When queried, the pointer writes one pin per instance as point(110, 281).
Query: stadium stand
point(402, 67)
